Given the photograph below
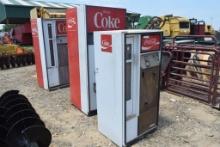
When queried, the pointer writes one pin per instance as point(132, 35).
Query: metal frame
point(189, 75)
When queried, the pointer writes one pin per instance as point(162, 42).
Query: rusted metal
point(194, 68)
point(14, 60)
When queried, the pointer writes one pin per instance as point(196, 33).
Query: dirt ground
point(183, 122)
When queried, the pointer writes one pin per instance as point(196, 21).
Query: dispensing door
point(51, 53)
point(149, 91)
point(62, 51)
point(131, 87)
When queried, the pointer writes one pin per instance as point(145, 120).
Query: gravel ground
point(183, 122)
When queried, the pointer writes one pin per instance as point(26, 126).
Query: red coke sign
point(150, 42)
point(106, 43)
point(34, 28)
point(61, 27)
point(103, 18)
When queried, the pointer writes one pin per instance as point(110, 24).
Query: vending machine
point(127, 67)
point(82, 21)
point(51, 53)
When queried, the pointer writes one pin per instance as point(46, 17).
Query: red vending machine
point(82, 21)
point(51, 53)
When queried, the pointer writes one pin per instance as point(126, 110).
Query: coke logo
point(34, 28)
point(61, 27)
point(150, 42)
point(71, 23)
point(103, 18)
point(34, 31)
point(106, 43)
point(106, 22)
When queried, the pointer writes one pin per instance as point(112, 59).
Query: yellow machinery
point(175, 26)
point(209, 30)
point(171, 25)
point(40, 12)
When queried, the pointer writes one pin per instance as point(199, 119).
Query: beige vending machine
point(127, 64)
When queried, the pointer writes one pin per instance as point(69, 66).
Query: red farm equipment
point(21, 34)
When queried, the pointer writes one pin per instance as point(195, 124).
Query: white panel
point(42, 52)
point(129, 103)
point(131, 129)
point(52, 70)
point(132, 123)
point(129, 108)
point(81, 14)
point(132, 107)
point(133, 104)
point(109, 79)
point(136, 73)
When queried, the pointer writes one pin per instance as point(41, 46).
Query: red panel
point(61, 27)
point(73, 51)
point(150, 42)
point(106, 43)
point(37, 52)
point(103, 18)
point(22, 33)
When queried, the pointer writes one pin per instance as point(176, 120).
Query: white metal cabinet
point(123, 69)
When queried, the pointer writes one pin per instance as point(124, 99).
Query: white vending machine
point(51, 53)
point(127, 64)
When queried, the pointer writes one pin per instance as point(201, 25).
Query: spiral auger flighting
point(12, 61)
point(20, 125)
point(12, 56)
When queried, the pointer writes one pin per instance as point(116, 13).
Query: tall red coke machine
point(82, 21)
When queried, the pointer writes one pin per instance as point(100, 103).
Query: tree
point(132, 18)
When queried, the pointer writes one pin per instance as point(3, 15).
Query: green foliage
point(8, 27)
point(143, 22)
point(132, 18)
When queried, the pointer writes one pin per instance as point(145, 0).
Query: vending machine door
point(51, 53)
point(63, 61)
point(131, 61)
point(149, 91)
